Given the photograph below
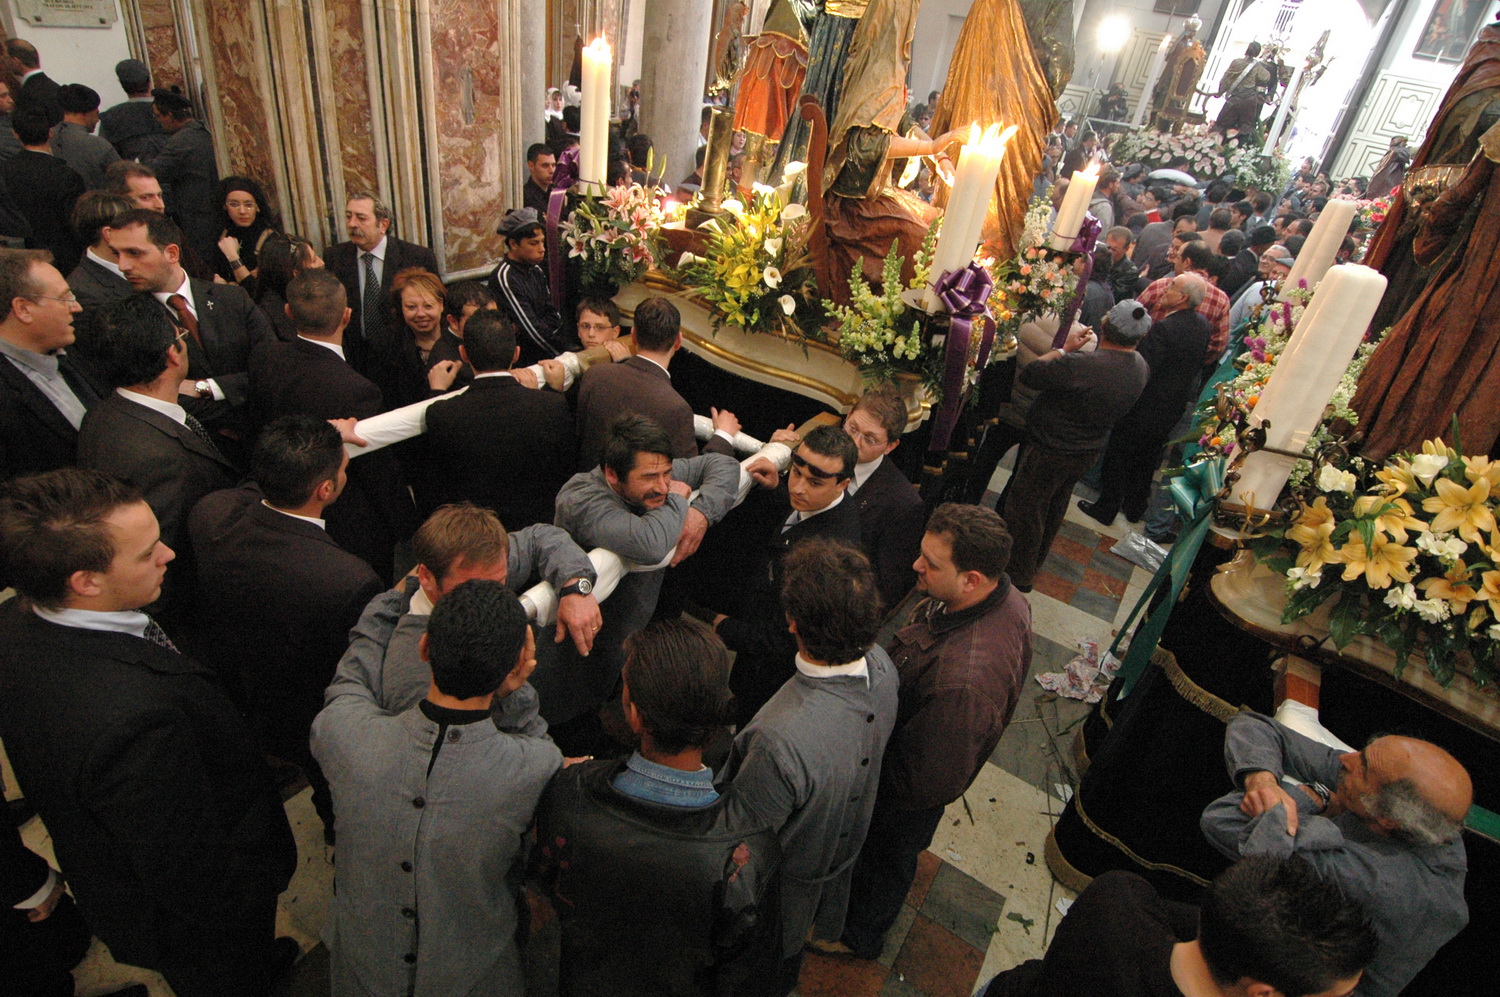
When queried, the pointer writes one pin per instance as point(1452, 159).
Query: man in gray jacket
point(1383, 824)
point(434, 804)
point(809, 762)
point(639, 504)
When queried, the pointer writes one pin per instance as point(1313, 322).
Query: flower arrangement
point(1370, 212)
point(1204, 154)
point(1412, 549)
point(617, 235)
point(756, 273)
point(881, 333)
point(1035, 282)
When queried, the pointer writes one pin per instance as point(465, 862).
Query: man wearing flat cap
point(131, 126)
point(520, 285)
point(187, 170)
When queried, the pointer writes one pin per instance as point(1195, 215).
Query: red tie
point(186, 318)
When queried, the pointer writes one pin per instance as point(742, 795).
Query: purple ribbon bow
point(562, 181)
point(965, 293)
point(1088, 237)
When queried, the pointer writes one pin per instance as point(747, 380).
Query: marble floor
point(983, 901)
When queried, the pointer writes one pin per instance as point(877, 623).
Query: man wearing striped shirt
point(520, 286)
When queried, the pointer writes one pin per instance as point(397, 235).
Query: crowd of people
point(222, 590)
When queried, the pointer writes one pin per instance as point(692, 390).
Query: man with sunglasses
point(817, 480)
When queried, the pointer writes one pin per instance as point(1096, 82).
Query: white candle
point(1321, 246)
point(1075, 205)
point(1305, 377)
point(593, 143)
point(1281, 112)
point(973, 187)
point(949, 235)
point(1156, 67)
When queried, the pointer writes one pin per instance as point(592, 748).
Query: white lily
point(773, 247)
point(788, 304)
point(793, 211)
point(761, 188)
point(1427, 466)
point(732, 206)
point(686, 259)
point(772, 277)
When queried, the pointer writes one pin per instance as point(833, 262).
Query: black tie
point(199, 431)
point(373, 317)
point(156, 635)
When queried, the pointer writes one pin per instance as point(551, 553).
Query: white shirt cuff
point(218, 392)
point(728, 438)
point(35, 900)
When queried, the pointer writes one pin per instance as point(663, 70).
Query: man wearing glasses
point(44, 392)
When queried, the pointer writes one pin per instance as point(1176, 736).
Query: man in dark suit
point(222, 323)
point(159, 807)
point(365, 265)
point(500, 445)
point(541, 164)
point(44, 189)
point(821, 468)
point(37, 88)
point(309, 376)
point(642, 384)
point(43, 392)
point(187, 169)
point(131, 126)
point(277, 596)
point(141, 433)
point(891, 514)
point(97, 281)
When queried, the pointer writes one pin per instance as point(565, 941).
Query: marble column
point(531, 62)
point(673, 67)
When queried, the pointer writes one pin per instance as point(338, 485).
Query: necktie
point(156, 635)
point(199, 431)
point(186, 318)
point(792, 520)
point(373, 317)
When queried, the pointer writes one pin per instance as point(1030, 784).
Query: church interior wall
point(76, 54)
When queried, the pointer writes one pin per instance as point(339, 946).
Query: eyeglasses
point(863, 438)
point(815, 472)
point(68, 299)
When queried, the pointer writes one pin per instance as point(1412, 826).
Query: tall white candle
point(1139, 118)
point(1321, 246)
point(973, 187)
point(949, 235)
point(1281, 112)
point(1075, 205)
point(1305, 377)
point(593, 143)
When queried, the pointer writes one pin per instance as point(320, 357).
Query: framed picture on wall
point(1177, 8)
point(1450, 30)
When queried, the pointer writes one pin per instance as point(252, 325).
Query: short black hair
point(52, 525)
point(1196, 253)
point(599, 306)
point(75, 98)
point(1231, 242)
point(828, 590)
point(317, 300)
point(96, 209)
point(977, 535)
point(639, 148)
point(677, 672)
point(132, 340)
point(465, 293)
point(161, 231)
point(474, 636)
point(657, 324)
point(172, 102)
point(1245, 208)
point(293, 456)
point(832, 441)
point(1187, 207)
point(1276, 921)
point(1261, 235)
point(633, 434)
point(490, 341)
point(1294, 244)
point(536, 150)
point(32, 126)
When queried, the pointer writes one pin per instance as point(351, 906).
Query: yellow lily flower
point(1489, 590)
point(1397, 478)
point(1482, 467)
point(1437, 447)
point(1453, 586)
point(1465, 510)
point(1382, 561)
point(1394, 521)
point(1314, 515)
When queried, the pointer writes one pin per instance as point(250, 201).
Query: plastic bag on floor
point(1143, 553)
point(1084, 678)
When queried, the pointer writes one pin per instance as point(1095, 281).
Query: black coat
point(231, 327)
point(189, 177)
point(96, 289)
point(161, 812)
point(131, 127)
point(41, 91)
point(342, 260)
point(635, 384)
point(891, 520)
point(502, 446)
point(34, 435)
point(45, 189)
point(1169, 349)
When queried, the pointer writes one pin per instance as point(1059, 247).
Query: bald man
point(1383, 823)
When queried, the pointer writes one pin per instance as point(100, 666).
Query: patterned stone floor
point(983, 901)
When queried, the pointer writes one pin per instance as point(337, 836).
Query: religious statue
point(827, 51)
point(1248, 85)
point(863, 210)
point(1049, 26)
point(769, 86)
point(993, 78)
point(1178, 82)
point(728, 52)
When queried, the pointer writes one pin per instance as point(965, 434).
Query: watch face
point(584, 586)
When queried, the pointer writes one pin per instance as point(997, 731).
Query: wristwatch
point(204, 389)
point(579, 586)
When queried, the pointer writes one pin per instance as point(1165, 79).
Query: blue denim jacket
point(646, 780)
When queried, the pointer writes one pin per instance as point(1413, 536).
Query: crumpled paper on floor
point(1084, 678)
point(1139, 551)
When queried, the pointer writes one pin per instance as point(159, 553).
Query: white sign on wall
point(67, 13)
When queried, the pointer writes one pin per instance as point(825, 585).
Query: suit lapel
point(39, 404)
point(174, 429)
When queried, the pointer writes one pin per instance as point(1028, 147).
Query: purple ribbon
point(562, 181)
point(1088, 237)
point(965, 293)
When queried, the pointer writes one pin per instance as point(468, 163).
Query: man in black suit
point(310, 376)
point(131, 126)
point(642, 384)
point(821, 469)
point(141, 433)
point(44, 188)
point(74, 141)
point(365, 265)
point(187, 169)
point(159, 807)
point(541, 164)
point(277, 596)
point(891, 514)
point(500, 445)
point(43, 392)
point(222, 323)
point(97, 281)
point(37, 88)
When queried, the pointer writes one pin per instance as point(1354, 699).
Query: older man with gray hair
point(1174, 349)
point(1383, 823)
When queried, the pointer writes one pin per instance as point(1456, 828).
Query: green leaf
point(1304, 601)
point(1344, 622)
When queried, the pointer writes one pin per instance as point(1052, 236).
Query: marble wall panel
point(351, 113)
point(245, 137)
point(163, 48)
